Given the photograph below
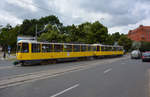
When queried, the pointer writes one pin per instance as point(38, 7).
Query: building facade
point(142, 33)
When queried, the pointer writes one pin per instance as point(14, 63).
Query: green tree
point(83, 30)
point(71, 33)
point(92, 33)
point(136, 45)
point(125, 42)
point(145, 46)
point(8, 36)
point(109, 40)
point(52, 35)
point(28, 27)
point(100, 33)
point(116, 36)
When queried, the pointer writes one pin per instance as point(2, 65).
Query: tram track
point(31, 77)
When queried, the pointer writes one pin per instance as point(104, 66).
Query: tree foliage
point(52, 34)
point(125, 42)
point(28, 27)
point(52, 30)
point(8, 36)
point(145, 46)
point(83, 33)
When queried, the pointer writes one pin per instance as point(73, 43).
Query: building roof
point(141, 27)
point(142, 33)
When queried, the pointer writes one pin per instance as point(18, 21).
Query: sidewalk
point(9, 58)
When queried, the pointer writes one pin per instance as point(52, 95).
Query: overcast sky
point(117, 15)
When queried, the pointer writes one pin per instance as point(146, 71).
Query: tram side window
point(117, 48)
point(76, 48)
point(83, 48)
point(47, 47)
point(25, 48)
point(89, 48)
point(58, 48)
point(110, 48)
point(94, 48)
point(120, 49)
point(102, 48)
point(114, 49)
point(36, 48)
point(68, 48)
point(106, 48)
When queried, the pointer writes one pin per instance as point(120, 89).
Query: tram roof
point(33, 41)
point(106, 45)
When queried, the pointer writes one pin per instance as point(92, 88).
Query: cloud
point(7, 18)
point(26, 4)
point(126, 28)
point(73, 13)
point(117, 15)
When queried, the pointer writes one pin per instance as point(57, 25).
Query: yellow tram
point(29, 51)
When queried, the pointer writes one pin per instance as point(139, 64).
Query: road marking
point(108, 70)
point(34, 76)
point(55, 95)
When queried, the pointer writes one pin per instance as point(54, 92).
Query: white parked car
point(135, 54)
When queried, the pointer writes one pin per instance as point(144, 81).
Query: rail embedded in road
point(30, 77)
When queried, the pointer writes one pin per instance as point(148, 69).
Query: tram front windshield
point(23, 47)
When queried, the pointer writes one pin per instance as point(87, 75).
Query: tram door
point(36, 50)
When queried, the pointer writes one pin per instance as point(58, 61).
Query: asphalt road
point(8, 70)
point(106, 78)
